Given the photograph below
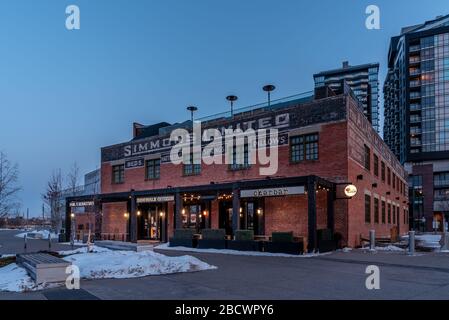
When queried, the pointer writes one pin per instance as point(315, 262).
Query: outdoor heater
point(268, 88)
point(231, 99)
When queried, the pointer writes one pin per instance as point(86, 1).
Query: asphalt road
point(335, 276)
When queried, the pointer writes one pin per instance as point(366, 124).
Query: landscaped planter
point(284, 247)
point(183, 238)
point(212, 239)
point(244, 245)
point(189, 243)
point(211, 244)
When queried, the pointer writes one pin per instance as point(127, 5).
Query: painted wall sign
point(155, 199)
point(74, 204)
point(272, 192)
point(284, 121)
point(134, 163)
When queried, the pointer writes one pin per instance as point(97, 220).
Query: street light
point(231, 99)
point(268, 88)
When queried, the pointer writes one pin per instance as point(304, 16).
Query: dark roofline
point(347, 70)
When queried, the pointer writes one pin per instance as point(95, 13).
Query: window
point(376, 165)
point(382, 171)
point(153, 169)
point(367, 208)
point(367, 158)
point(240, 160)
point(383, 212)
point(191, 169)
point(304, 148)
point(388, 176)
point(376, 210)
point(389, 213)
point(394, 181)
point(394, 214)
point(118, 173)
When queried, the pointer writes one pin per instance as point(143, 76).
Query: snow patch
point(16, 279)
point(165, 246)
point(41, 234)
point(106, 263)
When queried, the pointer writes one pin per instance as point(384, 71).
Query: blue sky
point(65, 94)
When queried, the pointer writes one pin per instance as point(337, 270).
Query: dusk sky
point(65, 94)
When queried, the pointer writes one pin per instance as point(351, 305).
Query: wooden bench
point(44, 268)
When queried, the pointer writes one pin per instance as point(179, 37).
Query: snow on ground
point(165, 246)
point(41, 234)
point(107, 263)
point(16, 279)
point(94, 249)
point(388, 248)
point(430, 241)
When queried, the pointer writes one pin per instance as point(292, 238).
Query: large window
point(240, 160)
point(394, 214)
point(441, 179)
point(388, 176)
point(394, 181)
point(153, 169)
point(367, 208)
point(304, 148)
point(389, 213)
point(191, 169)
point(376, 165)
point(118, 173)
point(376, 210)
point(382, 171)
point(367, 157)
point(383, 211)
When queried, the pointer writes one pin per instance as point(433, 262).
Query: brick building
point(325, 143)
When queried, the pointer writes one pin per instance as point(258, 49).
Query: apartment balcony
point(415, 72)
point(415, 95)
point(414, 60)
point(414, 48)
point(415, 84)
point(415, 107)
point(415, 120)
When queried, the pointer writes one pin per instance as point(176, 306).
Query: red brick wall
point(114, 222)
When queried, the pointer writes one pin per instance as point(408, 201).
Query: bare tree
point(52, 199)
point(72, 179)
point(9, 176)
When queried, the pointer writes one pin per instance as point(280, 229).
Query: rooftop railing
point(274, 104)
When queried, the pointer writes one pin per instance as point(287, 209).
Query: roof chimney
point(345, 64)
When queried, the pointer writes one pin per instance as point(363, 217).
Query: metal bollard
point(372, 240)
point(25, 242)
point(411, 243)
point(49, 241)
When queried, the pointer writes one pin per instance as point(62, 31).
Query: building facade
point(416, 128)
point(325, 143)
point(364, 82)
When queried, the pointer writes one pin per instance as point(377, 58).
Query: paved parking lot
point(334, 276)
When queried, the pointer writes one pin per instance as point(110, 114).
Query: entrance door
point(154, 223)
point(225, 216)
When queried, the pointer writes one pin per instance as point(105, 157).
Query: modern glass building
point(416, 127)
point(363, 81)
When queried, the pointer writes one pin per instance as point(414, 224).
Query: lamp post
point(268, 88)
point(231, 99)
point(192, 109)
point(72, 237)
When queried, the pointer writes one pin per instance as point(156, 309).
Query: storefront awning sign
point(272, 192)
point(81, 204)
point(155, 199)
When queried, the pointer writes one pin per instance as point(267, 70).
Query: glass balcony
point(415, 95)
point(415, 72)
point(415, 48)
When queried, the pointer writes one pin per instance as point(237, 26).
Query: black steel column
point(68, 221)
point(330, 210)
point(311, 196)
point(235, 208)
point(133, 218)
point(98, 219)
point(178, 211)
